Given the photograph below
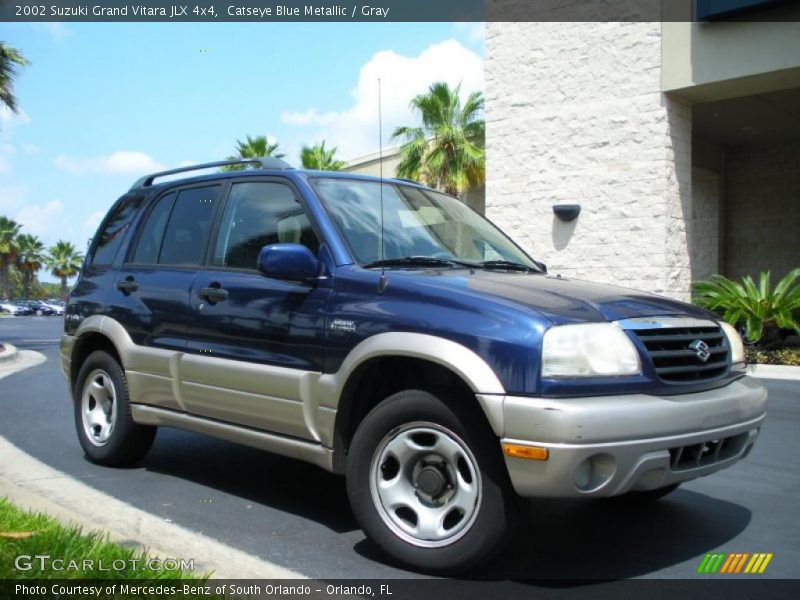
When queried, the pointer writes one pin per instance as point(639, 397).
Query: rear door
point(253, 339)
point(151, 294)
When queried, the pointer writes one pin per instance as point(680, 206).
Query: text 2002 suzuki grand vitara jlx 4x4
point(438, 367)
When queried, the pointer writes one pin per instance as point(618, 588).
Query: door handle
point(127, 285)
point(212, 294)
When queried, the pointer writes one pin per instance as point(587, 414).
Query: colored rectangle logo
point(732, 563)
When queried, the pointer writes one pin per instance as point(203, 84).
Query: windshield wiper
point(506, 264)
point(411, 261)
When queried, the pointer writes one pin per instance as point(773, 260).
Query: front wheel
point(427, 483)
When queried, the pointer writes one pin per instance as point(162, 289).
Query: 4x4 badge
point(701, 350)
point(343, 325)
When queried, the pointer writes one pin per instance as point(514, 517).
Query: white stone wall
point(575, 115)
point(762, 210)
point(704, 227)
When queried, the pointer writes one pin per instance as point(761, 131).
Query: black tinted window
point(113, 233)
point(187, 229)
point(258, 214)
point(149, 244)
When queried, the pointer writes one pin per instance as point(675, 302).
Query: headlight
point(734, 341)
point(588, 350)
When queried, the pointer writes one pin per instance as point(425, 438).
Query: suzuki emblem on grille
point(701, 350)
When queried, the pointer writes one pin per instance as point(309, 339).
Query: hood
point(559, 299)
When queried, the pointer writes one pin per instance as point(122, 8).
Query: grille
point(706, 453)
point(675, 361)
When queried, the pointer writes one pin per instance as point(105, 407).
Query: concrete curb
point(21, 360)
point(8, 353)
point(33, 485)
point(774, 372)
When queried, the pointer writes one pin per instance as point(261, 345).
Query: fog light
point(529, 452)
point(594, 472)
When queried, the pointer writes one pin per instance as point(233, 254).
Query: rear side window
point(113, 233)
point(176, 230)
point(149, 244)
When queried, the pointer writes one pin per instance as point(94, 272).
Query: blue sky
point(104, 103)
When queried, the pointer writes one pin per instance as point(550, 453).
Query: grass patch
point(81, 555)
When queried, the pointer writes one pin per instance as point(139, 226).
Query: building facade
point(679, 141)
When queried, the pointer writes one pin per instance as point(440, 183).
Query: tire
point(414, 437)
point(648, 496)
point(103, 418)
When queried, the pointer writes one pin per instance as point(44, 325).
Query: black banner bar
point(265, 11)
point(733, 588)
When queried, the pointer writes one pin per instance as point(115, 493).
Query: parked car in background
point(40, 308)
point(17, 310)
point(57, 307)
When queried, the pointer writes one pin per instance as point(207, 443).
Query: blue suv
point(385, 331)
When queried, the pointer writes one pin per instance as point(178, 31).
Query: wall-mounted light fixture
point(567, 212)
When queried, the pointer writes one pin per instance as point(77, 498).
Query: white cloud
point(11, 198)
point(56, 30)
point(30, 148)
point(475, 33)
point(92, 222)
point(122, 161)
point(6, 150)
point(355, 130)
point(9, 120)
point(42, 219)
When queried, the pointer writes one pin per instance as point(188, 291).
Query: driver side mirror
point(291, 262)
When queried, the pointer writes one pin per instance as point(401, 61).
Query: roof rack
point(265, 162)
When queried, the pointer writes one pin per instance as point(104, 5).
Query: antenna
point(382, 280)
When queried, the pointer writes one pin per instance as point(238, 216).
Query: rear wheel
point(103, 418)
point(428, 485)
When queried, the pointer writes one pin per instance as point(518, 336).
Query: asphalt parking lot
point(297, 516)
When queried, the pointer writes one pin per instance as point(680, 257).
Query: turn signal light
point(529, 452)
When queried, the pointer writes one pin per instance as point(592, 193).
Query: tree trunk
point(64, 288)
point(26, 285)
point(4, 291)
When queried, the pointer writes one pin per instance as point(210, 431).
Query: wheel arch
point(97, 333)
point(388, 363)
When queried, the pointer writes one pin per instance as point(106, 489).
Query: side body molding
point(159, 392)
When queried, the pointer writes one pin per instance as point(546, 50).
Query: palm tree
point(317, 157)
point(762, 309)
point(10, 59)
point(447, 150)
point(30, 258)
point(253, 147)
point(9, 247)
point(64, 261)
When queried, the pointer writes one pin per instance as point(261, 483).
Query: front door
point(253, 339)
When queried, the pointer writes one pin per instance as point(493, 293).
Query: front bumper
point(609, 445)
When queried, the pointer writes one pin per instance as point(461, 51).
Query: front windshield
point(417, 223)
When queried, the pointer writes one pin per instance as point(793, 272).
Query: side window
point(110, 239)
point(188, 226)
point(149, 244)
point(257, 214)
point(177, 229)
